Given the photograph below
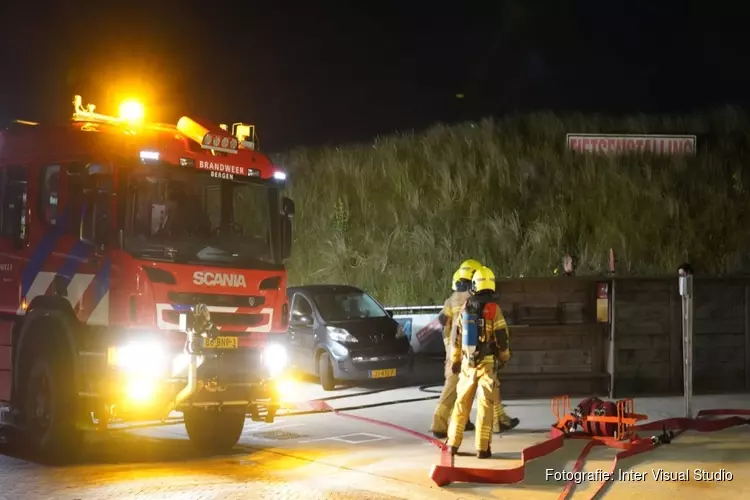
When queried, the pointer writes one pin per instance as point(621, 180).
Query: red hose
point(443, 475)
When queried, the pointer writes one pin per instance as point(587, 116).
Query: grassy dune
point(398, 215)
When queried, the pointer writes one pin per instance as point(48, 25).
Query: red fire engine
point(141, 272)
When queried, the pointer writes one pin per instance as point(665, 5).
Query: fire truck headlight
point(275, 359)
point(279, 175)
point(140, 390)
point(288, 391)
point(142, 358)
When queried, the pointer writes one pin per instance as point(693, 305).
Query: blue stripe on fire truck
point(42, 253)
point(101, 282)
point(80, 251)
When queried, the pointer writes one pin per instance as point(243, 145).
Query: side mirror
point(390, 313)
point(287, 207)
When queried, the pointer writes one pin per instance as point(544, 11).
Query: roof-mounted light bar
point(132, 113)
point(213, 141)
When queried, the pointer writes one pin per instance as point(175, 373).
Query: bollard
point(685, 272)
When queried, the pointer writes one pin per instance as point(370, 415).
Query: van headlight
point(275, 359)
point(340, 335)
point(139, 358)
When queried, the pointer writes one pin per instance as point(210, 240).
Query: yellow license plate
point(221, 343)
point(383, 373)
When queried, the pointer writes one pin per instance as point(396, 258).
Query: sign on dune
point(632, 143)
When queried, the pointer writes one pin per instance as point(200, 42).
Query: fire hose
point(446, 473)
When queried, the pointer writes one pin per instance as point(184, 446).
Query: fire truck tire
point(50, 430)
point(213, 431)
point(325, 368)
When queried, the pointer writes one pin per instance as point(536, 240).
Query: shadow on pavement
point(124, 448)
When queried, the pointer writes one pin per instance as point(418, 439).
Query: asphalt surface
point(354, 454)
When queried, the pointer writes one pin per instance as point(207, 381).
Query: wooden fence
point(560, 347)
point(648, 336)
point(557, 345)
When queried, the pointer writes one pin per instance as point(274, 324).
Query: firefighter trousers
point(447, 401)
point(479, 381)
point(500, 416)
point(445, 405)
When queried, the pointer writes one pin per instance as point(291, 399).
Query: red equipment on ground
point(613, 424)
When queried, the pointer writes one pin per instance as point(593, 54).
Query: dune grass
point(398, 215)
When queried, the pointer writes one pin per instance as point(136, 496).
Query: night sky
point(332, 74)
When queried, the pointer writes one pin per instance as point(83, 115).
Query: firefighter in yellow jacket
point(480, 342)
point(453, 305)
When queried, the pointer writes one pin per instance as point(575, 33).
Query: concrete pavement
point(332, 456)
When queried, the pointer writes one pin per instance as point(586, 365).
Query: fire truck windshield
point(190, 216)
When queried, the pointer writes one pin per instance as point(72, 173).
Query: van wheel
point(213, 432)
point(325, 368)
point(50, 429)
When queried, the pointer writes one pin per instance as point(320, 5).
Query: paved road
point(335, 456)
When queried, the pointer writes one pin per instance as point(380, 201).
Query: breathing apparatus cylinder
point(470, 320)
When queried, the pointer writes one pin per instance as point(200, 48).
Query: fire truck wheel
point(325, 368)
point(213, 431)
point(49, 411)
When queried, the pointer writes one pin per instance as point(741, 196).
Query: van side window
point(49, 193)
point(14, 194)
point(301, 307)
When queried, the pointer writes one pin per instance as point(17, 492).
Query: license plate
point(383, 373)
point(221, 343)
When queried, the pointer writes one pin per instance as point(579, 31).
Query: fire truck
point(141, 273)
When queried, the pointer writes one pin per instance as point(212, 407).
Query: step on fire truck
point(141, 273)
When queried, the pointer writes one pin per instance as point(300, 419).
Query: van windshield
point(189, 216)
point(343, 306)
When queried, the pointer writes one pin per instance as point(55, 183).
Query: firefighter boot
point(510, 424)
point(501, 422)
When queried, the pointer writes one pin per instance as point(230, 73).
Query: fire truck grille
point(222, 319)
point(232, 367)
point(211, 299)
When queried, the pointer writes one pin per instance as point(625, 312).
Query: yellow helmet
point(467, 269)
point(483, 279)
point(455, 279)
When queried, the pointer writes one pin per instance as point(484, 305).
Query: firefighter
point(460, 285)
point(501, 422)
point(481, 339)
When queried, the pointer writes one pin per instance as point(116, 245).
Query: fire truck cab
point(141, 272)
